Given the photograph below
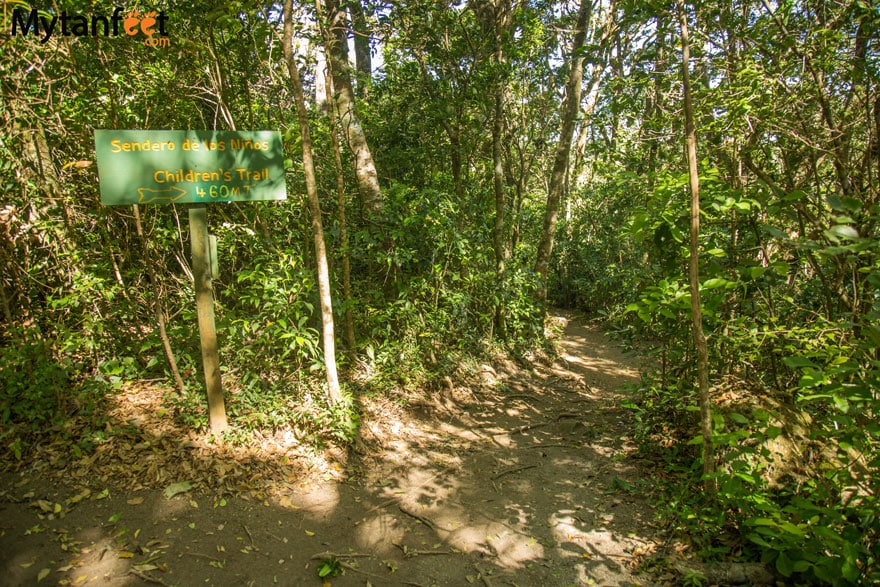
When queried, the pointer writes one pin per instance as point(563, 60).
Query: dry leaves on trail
point(143, 446)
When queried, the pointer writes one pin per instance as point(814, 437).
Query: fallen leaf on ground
point(135, 501)
point(177, 488)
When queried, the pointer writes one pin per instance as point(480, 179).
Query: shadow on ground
point(523, 479)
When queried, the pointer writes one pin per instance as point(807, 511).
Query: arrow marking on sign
point(168, 195)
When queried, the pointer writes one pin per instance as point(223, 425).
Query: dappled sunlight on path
point(526, 477)
point(521, 475)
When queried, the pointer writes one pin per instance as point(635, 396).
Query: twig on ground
point(385, 504)
point(328, 554)
point(357, 570)
point(494, 521)
point(249, 536)
point(421, 519)
point(524, 396)
point(148, 578)
point(207, 556)
point(513, 470)
point(522, 429)
point(411, 553)
point(381, 506)
point(278, 538)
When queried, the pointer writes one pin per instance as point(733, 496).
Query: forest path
point(520, 479)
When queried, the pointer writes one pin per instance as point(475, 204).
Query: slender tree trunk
point(499, 13)
point(694, 262)
point(158, 306)
point(498, 184)
point(314, 209)
point(569, 110)
point(362, 58)
point(335, 33)
point(343, 229)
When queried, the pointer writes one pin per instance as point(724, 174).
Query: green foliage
point(786, 108)
point(329, 567)
point(42, 389)
point(33, 385)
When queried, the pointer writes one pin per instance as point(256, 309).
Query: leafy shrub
point(33, 382)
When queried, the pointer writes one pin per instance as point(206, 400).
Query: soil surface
point(523, 478)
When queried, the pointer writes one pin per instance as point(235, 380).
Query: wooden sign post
point(201, 266)
point(180, 166)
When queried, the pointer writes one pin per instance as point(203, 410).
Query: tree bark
point(335, 33)
point(495, 17)
point(498, 184)
point(569, 111)
point(329, 342)
point(694, 261)
point(362, 58)
point(343, 228)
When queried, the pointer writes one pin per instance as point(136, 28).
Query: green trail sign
point(189, 166)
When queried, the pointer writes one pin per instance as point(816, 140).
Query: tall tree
point(495, 16)
point(328, 339)
point(568, 115)
point(694, 261)
point(335, 33)
point(362, 57)
point(343, 226)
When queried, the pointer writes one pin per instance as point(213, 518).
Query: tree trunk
point(569, 111)
point(314, 209)
point(362, 58)
point(343, 229)
point(694, 262)
point(498, 183)
point(335, 33)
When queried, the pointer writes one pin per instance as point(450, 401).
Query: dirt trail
point(523, 480)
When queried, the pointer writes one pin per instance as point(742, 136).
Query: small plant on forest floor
point(329, 567)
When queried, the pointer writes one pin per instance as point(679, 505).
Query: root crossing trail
point(521, 480)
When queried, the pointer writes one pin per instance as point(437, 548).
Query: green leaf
point(784, 565)
point(802, 566)
point(715, 283)
point(794, 196)
point(739, 418)
point(841, 231)
point(797, 362)
point(849, 570)
point(756, 272)
point(791, 528)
